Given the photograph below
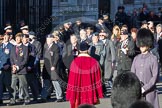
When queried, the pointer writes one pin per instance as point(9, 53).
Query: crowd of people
point(134, 18)
point(80, 59)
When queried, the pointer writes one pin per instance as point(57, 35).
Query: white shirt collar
point(49, 46)
point(26, 44)
point(5, 43)
point(19, 44)
point(32, 41)
point(104, 41)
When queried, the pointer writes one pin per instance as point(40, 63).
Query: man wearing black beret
point(50, 74)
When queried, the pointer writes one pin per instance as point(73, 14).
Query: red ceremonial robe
point(84, 84)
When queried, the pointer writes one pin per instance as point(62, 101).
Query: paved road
point(105, 103)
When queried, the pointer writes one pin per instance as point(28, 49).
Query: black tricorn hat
point(83, 46)
point(144, 38)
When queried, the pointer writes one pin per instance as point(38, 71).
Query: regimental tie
point(17, 50)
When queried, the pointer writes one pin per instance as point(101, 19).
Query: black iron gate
point(33, 12)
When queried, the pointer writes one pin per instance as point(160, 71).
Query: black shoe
point(1, 101)
point(12, 102)
point(35, 101)
point(42, 101)
point(26, 101)
point(20, 100)
point(60, 100)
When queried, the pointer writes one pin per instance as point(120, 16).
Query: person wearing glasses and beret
point(96, 48)
point(50, 74)
point(109, 58)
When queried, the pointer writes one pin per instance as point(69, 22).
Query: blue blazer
point(5, 54)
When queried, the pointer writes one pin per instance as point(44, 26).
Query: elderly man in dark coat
point(70, 51)
point(51, 57)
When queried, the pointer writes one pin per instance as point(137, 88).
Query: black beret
point(144, 38)
point(25, 35)
point(32, 33)
point(96, 34)
point(83, 46)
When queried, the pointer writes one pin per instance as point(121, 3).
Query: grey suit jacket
point(109, 57)
point(21, 59)
point(51, 57)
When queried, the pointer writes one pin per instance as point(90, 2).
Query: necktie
point(4, 45)
point(17, 50)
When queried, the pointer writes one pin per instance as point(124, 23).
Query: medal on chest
point(7, 51)
point(51, 53)
point(21, 52)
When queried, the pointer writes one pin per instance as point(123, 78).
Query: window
point(63, 0)
point(128, 1)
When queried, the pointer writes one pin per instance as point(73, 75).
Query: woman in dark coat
point(145, 66)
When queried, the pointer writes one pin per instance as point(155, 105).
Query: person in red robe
point(84, 83)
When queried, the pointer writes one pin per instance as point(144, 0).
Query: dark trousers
point(33, 84)
point(5, 81)
point(47, 89)
point(37, 72)
point(23, 86)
